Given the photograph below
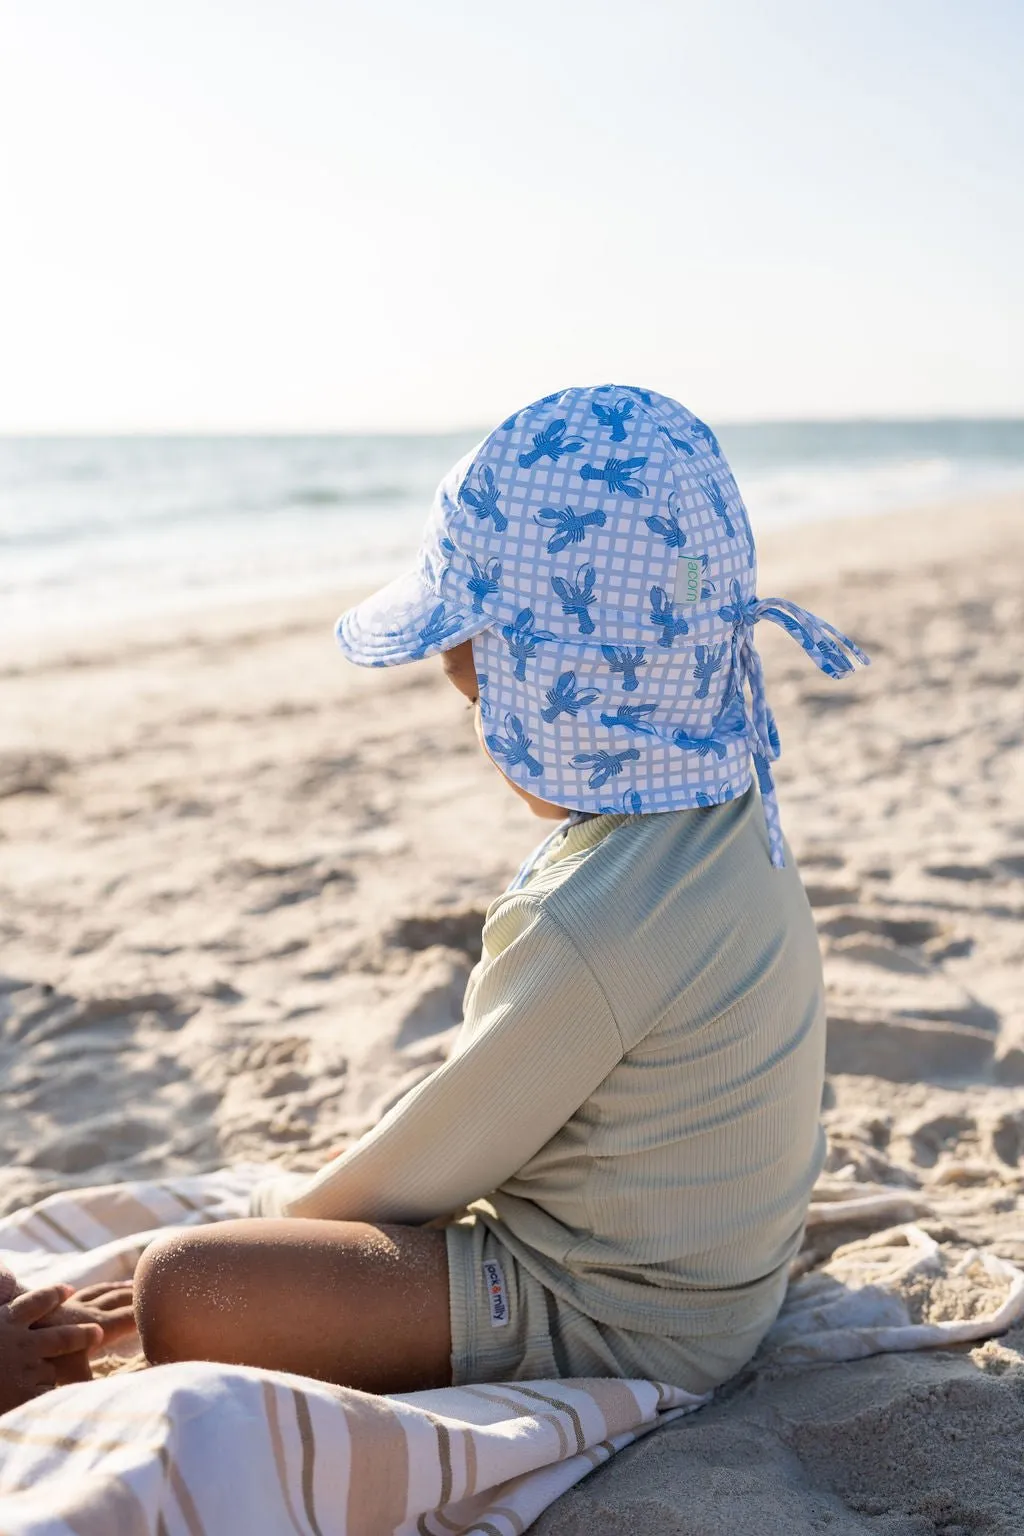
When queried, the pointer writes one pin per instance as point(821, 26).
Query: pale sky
point(317, 215)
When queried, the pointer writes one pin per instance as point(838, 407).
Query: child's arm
point(539, 1039)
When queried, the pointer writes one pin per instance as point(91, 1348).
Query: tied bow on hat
point(828, 648)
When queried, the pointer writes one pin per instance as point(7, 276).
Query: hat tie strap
point(832, 652)
point(829, 649)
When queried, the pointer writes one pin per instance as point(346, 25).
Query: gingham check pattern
point(596, 549)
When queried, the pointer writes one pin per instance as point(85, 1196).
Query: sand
point(241, 888)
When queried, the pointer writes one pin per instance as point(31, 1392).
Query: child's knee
point(168, 1278)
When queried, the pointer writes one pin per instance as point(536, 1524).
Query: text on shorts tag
point(497, 1295)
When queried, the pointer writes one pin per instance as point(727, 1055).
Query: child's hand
point(107, 1306)
point(108, 1303)
point(33, 1346)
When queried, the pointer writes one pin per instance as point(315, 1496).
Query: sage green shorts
point(507, 1326)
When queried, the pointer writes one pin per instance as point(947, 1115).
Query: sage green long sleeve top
point(632, 1101)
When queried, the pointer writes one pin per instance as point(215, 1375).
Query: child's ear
point(460, 670)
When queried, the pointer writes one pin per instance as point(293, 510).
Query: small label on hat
point(689, 584)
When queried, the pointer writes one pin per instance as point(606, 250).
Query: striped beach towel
point(199, 1449)
point(208, 1450)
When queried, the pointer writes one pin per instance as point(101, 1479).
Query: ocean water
point(93, 529)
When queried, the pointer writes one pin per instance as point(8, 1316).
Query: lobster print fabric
point(596, 549)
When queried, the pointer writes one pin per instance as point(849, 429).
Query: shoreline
point(803, 552)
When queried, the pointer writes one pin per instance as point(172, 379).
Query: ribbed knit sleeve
point(537, 1039)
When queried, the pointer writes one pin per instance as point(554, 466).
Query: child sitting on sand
point(610, 1175)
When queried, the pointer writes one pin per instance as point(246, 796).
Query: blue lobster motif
point(668, 527)
point(522, 638)
point(447, 549)
point(565, 698)
point(577, 596)
point(701, 745)
point(664, 615)
point(621, 659)
point(641, 394)
point(618, 474)
point(515, 746)
point(572, 526)
point(834, 663)
point(481, 682)
point(700, 429)
point(730, 725)
point(552, 443)
point(709, 659)
point(614, 416)
point(439, 627)
point(632, 805)
point(604, 765)
point(678, 442)
point(763, 770)
point(631, 717)
point(704, 799)
point(719, 505)
point(484, 582)
point(484, 499)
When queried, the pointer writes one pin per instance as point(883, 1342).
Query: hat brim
point(405, 621)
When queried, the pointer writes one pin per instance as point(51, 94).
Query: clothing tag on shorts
point(494, 1280)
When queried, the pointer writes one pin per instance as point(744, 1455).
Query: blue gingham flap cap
point(596, 550)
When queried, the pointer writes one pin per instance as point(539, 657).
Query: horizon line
point(722, 423)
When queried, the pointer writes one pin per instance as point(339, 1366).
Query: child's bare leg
point(363, 1306)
